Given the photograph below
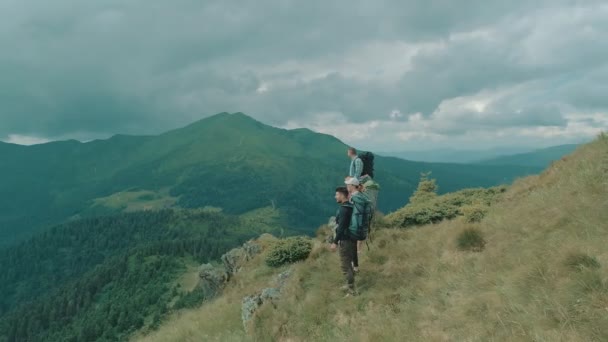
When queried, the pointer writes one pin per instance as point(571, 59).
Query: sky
point(384, 75)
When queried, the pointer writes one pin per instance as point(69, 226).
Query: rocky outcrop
point(214, 278)
point(235, 259)
point(270, 295)
point(331, 229)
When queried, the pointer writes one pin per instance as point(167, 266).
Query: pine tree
point(427, 189)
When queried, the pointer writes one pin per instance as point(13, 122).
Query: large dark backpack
point(362, 215)
point(368, 163)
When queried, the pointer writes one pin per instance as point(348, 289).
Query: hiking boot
point(356, 269)
point(351, 293)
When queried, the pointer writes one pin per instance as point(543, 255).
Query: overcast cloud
point(385, 75)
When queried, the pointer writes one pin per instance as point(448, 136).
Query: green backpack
point(362, 214)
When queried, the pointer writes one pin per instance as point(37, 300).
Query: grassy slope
point(417, 286)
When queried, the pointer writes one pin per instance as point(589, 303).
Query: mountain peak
point(226, 118)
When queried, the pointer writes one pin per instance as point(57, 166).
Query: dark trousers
point(348, 253)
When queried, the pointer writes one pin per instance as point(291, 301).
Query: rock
point(212, 280)
point(282, 278)
point(269, 294)
point(251, 249)
point(237, 257)
point(332, 221)
point(331, 230)
point(250, 304)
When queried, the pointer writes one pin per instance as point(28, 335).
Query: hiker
point(371, 188)
point(343, 238)
point(361, 217)
point(356, 164)
point(361, 165)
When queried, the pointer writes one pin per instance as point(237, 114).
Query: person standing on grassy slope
point(371, 188)
point(359, 226)
point(343, 239)
point(356, 164)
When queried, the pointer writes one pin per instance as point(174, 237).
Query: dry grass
point(417, 286)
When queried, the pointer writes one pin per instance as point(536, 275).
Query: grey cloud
point(142, 66)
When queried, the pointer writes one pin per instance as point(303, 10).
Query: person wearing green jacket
point(362, 214)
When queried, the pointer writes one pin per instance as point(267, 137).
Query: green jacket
point(361, 215)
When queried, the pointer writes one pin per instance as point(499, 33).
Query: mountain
point(469, 156)
point(497, 156)
point(525, 263)
point(100, 279)
point(538, 158)
point(230, 161)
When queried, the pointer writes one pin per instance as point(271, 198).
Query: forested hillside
point(100, 279)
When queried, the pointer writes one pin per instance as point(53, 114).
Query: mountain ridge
point(471, 156)
point(537, 157)
point(203, 164)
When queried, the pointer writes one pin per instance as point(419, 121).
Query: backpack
point(361, 219)
point(368, 163)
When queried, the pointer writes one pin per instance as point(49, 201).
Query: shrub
point(190, 300)
point(581, 261)
point(147, 197)
point(289, 250)
point(471, 239)
point(425, 213)
point(434, 209)
point(474, 213)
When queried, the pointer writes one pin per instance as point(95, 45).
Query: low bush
point(471, 239)
point(289, 250)
point(474, 213)
point(471, 203)
point(190, 300)
point(425, 213)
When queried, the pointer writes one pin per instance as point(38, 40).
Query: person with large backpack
point(361, 164)
point(343, 239)
point(356, 164)
point(361, 217)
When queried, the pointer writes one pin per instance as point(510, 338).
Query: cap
point(352, 181)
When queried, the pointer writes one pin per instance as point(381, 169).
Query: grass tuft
point(581, 261)
point(471, 239)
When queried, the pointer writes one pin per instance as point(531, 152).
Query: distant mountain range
point(538, 158)
point(483, 156)
point(230, 161)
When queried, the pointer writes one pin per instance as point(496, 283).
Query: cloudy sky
point(386, 75)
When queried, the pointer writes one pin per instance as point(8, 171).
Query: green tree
point(427, 189)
